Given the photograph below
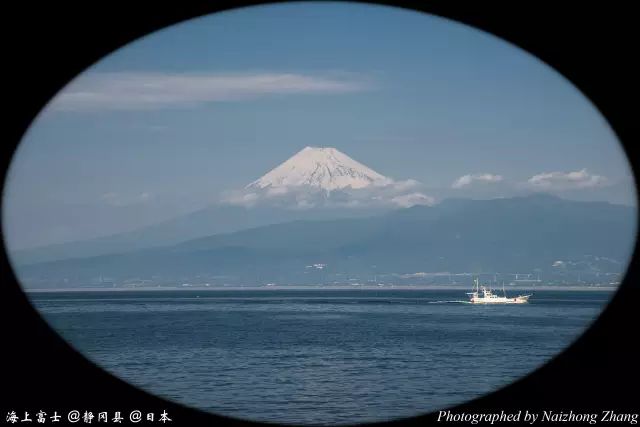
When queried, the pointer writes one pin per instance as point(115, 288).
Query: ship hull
point(516, 300)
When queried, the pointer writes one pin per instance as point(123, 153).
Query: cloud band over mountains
point(393, 194)
point(405, 193)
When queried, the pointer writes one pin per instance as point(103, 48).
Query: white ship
point(484, 295)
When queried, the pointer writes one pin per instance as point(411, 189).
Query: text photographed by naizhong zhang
point(532, 417)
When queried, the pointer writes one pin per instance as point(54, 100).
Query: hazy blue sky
point(166, 124)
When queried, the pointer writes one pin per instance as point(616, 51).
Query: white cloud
point(467, 180)
point(147, 90)
point(145, 196)
point(404, 185)
point(240, 198)
point(566, 180)
point(277, 191)
point(413, 199)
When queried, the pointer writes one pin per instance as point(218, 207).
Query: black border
point(47, 44)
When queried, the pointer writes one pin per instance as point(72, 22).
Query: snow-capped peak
point(321, 167)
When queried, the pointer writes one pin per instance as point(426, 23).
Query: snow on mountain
point(325, 168)
point(324, 177)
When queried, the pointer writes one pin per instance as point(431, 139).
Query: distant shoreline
point(321, 288)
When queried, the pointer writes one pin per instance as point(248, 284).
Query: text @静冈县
point(86, 417)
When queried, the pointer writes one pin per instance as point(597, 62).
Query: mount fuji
point(326, 178)
point(325, 168)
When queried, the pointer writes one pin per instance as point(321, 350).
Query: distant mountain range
point(510, 234)
point(204, 222)
point(315, 183)
point(322, 208)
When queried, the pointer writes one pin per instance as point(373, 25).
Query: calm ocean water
point(317, 356)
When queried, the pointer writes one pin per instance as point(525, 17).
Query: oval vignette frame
point(592, 331)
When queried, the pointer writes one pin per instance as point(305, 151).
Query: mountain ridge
point(509, 234)
point(211, 220)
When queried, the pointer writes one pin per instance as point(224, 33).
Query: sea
point(319, 357)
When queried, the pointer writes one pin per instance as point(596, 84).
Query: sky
point(167, 124)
